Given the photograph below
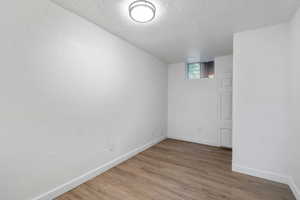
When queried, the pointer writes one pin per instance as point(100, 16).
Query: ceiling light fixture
point(142, 11)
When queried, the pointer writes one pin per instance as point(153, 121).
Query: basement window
point(200, 70)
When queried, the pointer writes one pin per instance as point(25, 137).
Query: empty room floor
point(178, 170)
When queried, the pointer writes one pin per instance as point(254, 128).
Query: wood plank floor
point(176, 170)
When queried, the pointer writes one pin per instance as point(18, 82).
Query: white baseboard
point(93, 173)
point(261, 174)
point(96, 172)
point(269, 176)
point(205, 142)
point(294, 188)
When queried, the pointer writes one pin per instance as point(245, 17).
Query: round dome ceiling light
point(142, 11)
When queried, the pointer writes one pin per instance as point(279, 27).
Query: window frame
point(187, 70)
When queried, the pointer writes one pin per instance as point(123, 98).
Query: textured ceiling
point(184, 29)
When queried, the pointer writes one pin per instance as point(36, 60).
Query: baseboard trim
point(261, 174)
point(198, 142)
point(95, 172)
point(294, 188)
point(269, 176)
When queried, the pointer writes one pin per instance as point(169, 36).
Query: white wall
point(294, 102)
point(70, 93)
point(266, 103)
point(223, 64)
point(193, 104)
point(260, 99)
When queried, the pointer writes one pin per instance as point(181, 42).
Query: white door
point(225, 109)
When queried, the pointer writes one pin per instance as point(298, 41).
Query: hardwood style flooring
point(176, 170)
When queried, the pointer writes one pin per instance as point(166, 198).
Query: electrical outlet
point(153, 133)
point(111, 148)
